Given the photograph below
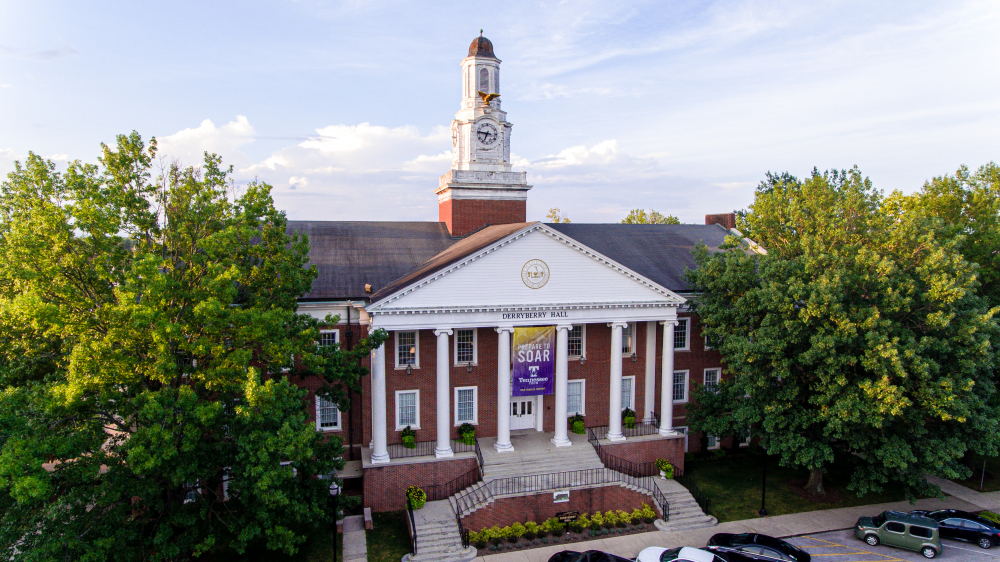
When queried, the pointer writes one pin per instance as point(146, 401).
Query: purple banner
point(534, 361)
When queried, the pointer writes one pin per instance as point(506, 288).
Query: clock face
point(486, 133)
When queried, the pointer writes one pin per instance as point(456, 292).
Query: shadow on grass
point(733, 485)
point(389, 538)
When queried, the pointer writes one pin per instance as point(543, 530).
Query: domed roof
point(481, 47)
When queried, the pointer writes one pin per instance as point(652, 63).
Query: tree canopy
point(639, 216)
point(556, 215)
point(860, 330)
point(148, 335)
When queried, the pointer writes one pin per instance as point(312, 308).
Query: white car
point(682, 554)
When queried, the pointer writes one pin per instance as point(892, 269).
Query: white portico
point(519, 275)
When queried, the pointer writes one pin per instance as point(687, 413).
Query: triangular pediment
point(534, 266)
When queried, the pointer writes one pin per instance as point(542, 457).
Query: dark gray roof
point(456, 252)
point(347, 255)
point(659, 252)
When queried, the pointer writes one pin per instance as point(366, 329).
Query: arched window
point(496, 80)
point(484, 80)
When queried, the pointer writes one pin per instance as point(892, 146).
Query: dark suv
point(964, 526)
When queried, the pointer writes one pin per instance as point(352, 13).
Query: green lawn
point(992, 481)
point(733, 484)
point(317, 548)
point(389, 538)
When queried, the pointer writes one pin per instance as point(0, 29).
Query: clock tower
point(481, 189)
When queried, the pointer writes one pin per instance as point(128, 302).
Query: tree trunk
point(815, 484)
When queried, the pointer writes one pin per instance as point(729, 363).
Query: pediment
point(535, 266)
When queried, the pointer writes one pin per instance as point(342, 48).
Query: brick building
point(453, 294)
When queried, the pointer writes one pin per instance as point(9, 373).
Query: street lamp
point(335, 493)
point(763, 489)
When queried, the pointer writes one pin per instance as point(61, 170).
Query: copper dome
point(481, 47)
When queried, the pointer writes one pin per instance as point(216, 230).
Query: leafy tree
point(969, 203)
point(148, 336)
point(858, 330)
point(639, 216)
point(555, 215)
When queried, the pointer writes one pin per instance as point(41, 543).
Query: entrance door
point(522, 412)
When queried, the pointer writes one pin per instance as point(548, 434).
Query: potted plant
point(409, 437)
point(467, 433)
point(628, 417)
point(416, 496)
point(576, 423)
point(666, 469)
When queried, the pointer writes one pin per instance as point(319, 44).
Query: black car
point(757, 547)
point(588, 556)
point(964, 526)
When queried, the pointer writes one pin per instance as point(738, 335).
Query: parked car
point(964, 526)
point(682, 554)
point(759, 547)
point(588, 556)
point(902, 530)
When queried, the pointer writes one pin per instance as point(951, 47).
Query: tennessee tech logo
point(535, 274)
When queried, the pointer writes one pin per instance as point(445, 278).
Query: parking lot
point(842, 546)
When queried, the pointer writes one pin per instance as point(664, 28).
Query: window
point(227, 474)
point(329, 338)
point(708, 345)
point(712, 379)
point(713, 442)
point(484, 80)
point(407, 409)
point(894, 527)
point(922, 532)
point(327, 415)
point(683, 430)
point(466, 405)
point(577, 342)
point(628, 394)
point(745, 438)
point(406, 349)
point(628, 339)
point(575, 399)
point(193, 491)
point(680, 386)
point(681, 334)
point(465, 347)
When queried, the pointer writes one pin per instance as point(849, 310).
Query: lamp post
point(763, 488)
point(335, 493)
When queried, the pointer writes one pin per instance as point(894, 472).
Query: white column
point(380, 453)
point(667, 381)
point(503, 390)
point(562, 385)
point(443, 447)
point(615, 406)
point(649, 389)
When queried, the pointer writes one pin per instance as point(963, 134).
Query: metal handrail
point(641, 428)
point(413, 525)
point(425, 449)
point(479, 457)
point(448, 489)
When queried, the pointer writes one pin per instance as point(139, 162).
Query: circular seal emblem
point(535, 274)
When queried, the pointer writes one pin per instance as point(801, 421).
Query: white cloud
point(602, 152)
point(6, 86)
point(189, 145)
point(58, 157)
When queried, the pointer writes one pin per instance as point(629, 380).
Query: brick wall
point(538, 508)
point(385, 485)
point(465, 216)
point(648, 451)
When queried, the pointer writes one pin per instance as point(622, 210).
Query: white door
point(522, 412)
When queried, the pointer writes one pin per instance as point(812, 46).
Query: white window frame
point(475, 405)
point(707, 347)
point(687, 386)
point(746, 442)
point(318, 418)
point(583, 342)
point(416, 414)
point(475, 348)
point(631, 405)
point(583, 397)
point(416, 347)
point(687, 334)
point(683, 429)
point(336, 336)
point(633, 348)
point(718, 379)
point(227, 473)
point(718, 442)
point(192, 487)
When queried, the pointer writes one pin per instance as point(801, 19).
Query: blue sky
point(344, 107)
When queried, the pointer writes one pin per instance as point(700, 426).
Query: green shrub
point(636, 516)
point(517, 530)
point(554, 526)
point(409, 437)
point(584, 521)
point(648, 513)
point(664, 466)
point(610, 519)
point(596, 520)
point(576, 527)
point(623, 518)
point(530, 530)
point(416, 496)
point(578, 428)
point(990, 516)
point(628, 417)
point(467, 433)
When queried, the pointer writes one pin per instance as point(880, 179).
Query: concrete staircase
point(438, 539)
point(535, 454)
point(685, 513)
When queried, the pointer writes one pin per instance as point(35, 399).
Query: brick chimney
point(726, 220)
